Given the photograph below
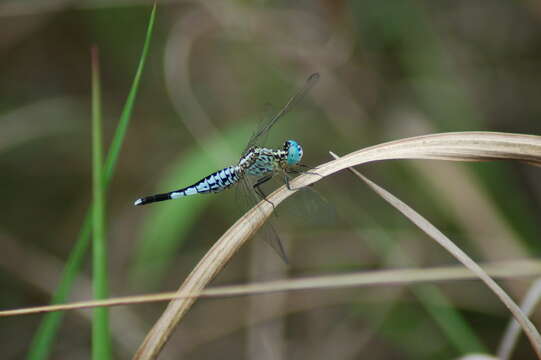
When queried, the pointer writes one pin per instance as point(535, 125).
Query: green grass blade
point(451, 322)
point(42, 342)
point(101, 339)
point(118, 138)
point(43, 339)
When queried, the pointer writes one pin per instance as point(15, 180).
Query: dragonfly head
point(294, 152)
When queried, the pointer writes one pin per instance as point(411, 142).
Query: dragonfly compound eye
point(294, 152)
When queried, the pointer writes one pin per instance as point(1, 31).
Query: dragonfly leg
point(303, 166)
point(298, 171)
point(259, 191)
point(293, 171)
point(286, 180)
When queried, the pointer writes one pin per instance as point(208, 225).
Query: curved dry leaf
point(458, 146)
point(459, 254)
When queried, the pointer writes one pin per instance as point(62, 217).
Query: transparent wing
point(266, 125)
point(245, 194)
point(310, 209)
point(266, 115)
point(247, 198)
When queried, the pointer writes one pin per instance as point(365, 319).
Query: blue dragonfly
point(257, 162)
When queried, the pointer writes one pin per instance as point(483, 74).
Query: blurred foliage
point(389, 70)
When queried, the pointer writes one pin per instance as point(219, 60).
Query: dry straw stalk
point(458, 146)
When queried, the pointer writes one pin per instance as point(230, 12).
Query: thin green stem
point(42, 343)
point(101, 339)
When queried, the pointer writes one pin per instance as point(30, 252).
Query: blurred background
point(389, 70)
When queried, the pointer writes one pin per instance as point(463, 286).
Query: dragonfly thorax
point(258, 161)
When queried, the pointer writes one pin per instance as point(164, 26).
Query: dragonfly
point(257, 162)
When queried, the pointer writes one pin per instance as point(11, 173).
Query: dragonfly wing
point(247, 197)
point(245, 192)
point(266, 115)
point(266, 125)
point(314, 209)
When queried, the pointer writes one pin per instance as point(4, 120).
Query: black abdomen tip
point(152, 198)
point(140, 201)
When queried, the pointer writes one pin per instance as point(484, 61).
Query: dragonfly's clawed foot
point(305, 187)
point(289, 187)
point(303, 171)
point(270, 202)
point(311, 172)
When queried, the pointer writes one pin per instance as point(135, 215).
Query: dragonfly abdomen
point(213, 183)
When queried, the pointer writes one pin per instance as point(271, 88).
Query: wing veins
point(294, 100)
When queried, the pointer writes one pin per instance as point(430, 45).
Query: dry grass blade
point(501, 270)
point(460, 146)
point(512, 332)
point(445, 242)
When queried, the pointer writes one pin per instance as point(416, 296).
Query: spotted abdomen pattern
point(256, 162)
point(213, 183)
